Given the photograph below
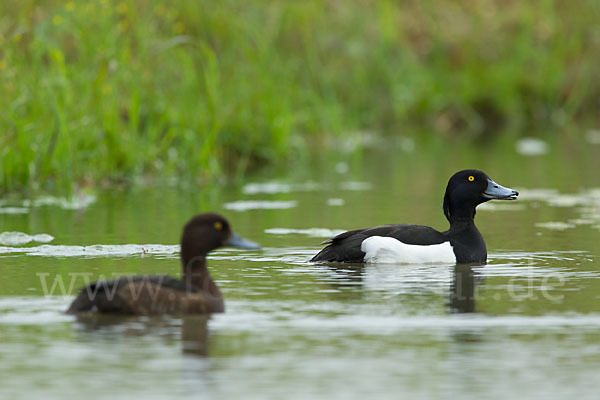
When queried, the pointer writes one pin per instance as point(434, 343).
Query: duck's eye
point(218, 225)
point(471, 178)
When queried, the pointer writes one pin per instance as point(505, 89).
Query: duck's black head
point(467, 189)
point(206, 232)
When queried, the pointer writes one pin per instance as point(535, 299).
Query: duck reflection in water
point(346, 278)
point(462, 292)
point(351, 280)
point(191, 329)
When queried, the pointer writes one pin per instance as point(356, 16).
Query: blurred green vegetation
point(102, 90)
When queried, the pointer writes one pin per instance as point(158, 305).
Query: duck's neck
point(195, 273)
point(463, 226)
point(462, 221)
point(469, 246)
point(462, 216)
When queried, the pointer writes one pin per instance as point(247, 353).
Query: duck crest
point(446, 206)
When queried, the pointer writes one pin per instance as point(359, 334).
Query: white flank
point(387, 250)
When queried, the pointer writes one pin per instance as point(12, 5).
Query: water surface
point(527, 324)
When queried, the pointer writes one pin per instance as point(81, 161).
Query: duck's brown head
point(206, 232)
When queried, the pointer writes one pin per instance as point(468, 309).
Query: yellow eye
point(471, 178)
point(218, 225)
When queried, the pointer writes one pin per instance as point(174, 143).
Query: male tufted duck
point(404, 243)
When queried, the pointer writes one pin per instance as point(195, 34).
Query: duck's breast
point(388, 250)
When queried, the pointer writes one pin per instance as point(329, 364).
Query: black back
point(346, 246)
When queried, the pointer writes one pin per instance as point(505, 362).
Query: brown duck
point(196, 292)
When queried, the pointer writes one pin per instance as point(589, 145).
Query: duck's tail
point(98, 298)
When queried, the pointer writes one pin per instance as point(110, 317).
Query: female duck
point(403, 243)
point(196, 292)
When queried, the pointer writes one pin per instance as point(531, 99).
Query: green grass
point(101, 90)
